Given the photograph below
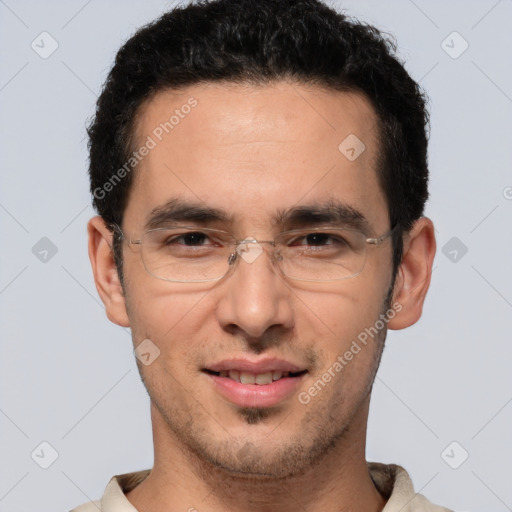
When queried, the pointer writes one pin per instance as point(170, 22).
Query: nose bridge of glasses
point(249, 249)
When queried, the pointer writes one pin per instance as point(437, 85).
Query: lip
point(262, 366)
point(254, 395)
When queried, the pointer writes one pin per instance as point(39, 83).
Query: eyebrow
point(180, 210)
point(329, 212)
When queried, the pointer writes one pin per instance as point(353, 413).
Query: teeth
point(264, 378)
point(247, 378)
point(277, 374)
point(234, 374)
point(251, 378)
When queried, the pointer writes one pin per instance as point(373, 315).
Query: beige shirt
point(390, 480)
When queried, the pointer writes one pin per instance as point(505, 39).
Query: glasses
point(197, 255)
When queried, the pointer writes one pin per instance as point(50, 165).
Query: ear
point(105, 273)
point(413, 277)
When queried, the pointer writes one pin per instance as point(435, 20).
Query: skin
point(253, 150)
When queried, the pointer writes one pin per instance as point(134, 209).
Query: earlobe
point(413, 277)
point(105, 273)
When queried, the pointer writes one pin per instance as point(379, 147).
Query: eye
point(193, 239)
point(320, 240)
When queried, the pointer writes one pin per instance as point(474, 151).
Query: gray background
point(68, 375)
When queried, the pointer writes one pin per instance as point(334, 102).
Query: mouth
point(255, 384)
point(259, 379)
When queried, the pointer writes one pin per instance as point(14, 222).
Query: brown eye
point(320, 240)
point(190, 239)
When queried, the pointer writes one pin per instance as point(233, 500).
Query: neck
point(181, 480)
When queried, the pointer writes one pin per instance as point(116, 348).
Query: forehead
point(255, 150)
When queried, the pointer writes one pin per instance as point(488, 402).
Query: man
point(260, 174)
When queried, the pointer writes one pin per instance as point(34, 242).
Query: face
point(252, 153)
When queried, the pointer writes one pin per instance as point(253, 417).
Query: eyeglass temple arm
point(380, 239)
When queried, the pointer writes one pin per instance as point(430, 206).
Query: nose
point(253, 296)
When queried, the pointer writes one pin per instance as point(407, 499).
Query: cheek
point(350, 347)
point(169, 316)
point(344, 328)
point(338, 312)
point(156, 307)
point(173, 322)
